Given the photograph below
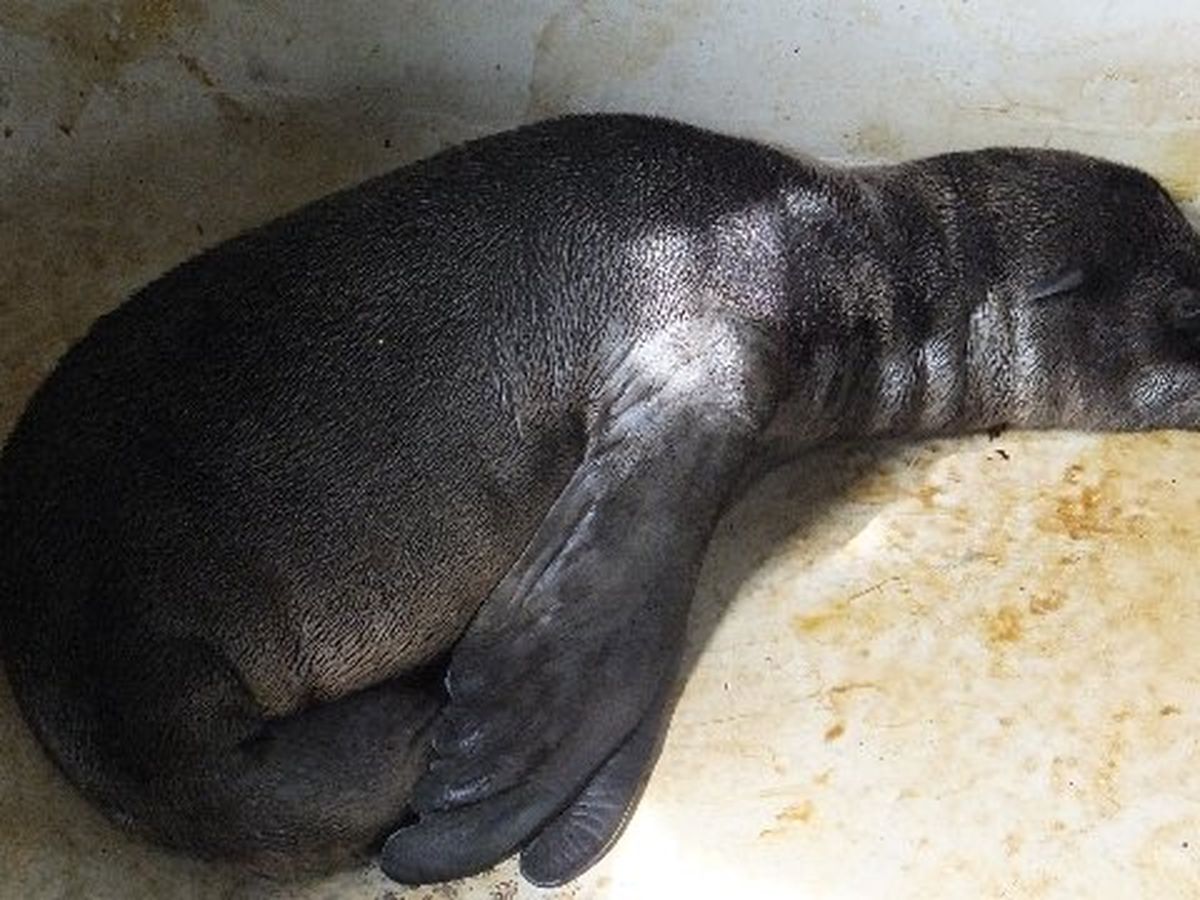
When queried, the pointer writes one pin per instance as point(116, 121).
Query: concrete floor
point(958, 669)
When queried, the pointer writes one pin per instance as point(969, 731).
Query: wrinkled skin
point(384, 519)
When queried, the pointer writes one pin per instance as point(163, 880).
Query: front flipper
point(576, 838)
point(574, 649)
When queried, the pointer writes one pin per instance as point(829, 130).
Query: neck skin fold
point(894, 329)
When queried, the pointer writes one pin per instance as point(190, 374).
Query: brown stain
point(1004, 626)
point(95, 42)
point(1090, 507)
point(927, 494)
point(1079, 515)
point(1048, 602)
point(837, 700)
point(107, 37)
point(841, 612)
point(1170, 710)
point(1177, 164)
point(794, 814)
point(876, 488)
point(852, 686)
point(804, 624)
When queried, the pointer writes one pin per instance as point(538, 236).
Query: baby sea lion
point(383, 520)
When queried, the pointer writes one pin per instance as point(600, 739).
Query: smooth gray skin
point(476, 419)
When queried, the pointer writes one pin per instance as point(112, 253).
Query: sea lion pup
point(389, 513)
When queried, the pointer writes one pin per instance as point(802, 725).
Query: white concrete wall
point(853, 79)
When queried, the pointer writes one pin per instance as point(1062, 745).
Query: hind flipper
point(334, 779)
point(193, 766)
point(568, 655)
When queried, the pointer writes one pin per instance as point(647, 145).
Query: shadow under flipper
point(781, 502)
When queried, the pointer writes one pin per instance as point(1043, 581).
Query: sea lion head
point(1091, 319)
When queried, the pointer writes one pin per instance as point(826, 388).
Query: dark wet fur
point(487, 409)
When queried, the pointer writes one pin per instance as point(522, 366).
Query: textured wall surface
point(955, 669)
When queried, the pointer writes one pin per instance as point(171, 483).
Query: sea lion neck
point(888, 270)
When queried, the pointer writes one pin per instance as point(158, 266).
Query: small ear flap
point(1059, 282)
point(1185, 310)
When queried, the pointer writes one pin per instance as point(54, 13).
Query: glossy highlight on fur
point(379, 524)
